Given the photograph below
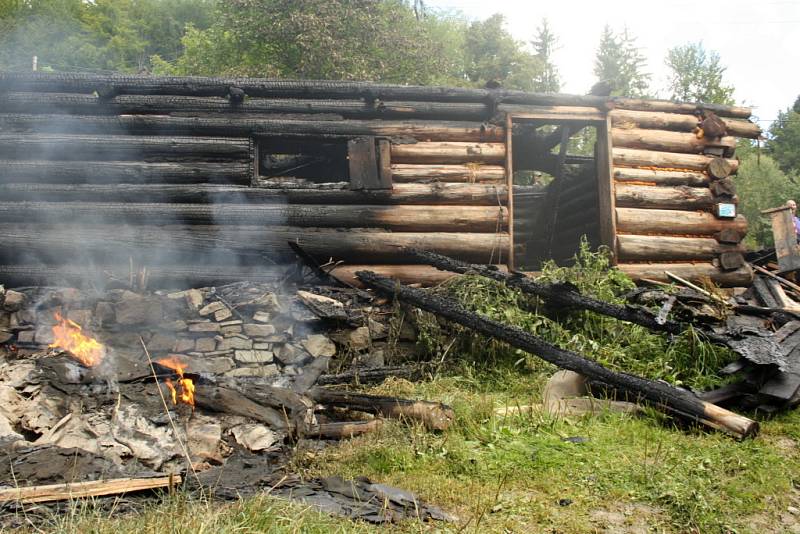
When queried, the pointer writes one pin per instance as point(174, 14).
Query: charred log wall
point(104, 174)
point(167, 173)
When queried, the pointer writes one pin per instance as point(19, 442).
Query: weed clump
point(685, 359)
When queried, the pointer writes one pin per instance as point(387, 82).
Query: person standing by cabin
point(793, 206)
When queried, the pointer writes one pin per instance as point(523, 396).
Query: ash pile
point(122, 390)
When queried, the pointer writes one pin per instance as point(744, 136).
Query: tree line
point(381, 40)
point(392, 41)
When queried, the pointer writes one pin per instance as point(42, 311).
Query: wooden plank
point(463, 173)
point(449, 152)
point(510, 185)
point(362, 163)
point(435, 194)
point(682, 197)
point(93, 488)
point(633, 157)
point(785, 238)
point(690, 271)
point(661, 177)
point(605, 189)
point(670, 248)
point(422, 218)
point(676, 222)
point(385, 164)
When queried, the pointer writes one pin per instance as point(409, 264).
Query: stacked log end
point(669, 179)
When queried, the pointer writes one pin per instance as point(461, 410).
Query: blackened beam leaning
point(670, 399)
point(556, 294)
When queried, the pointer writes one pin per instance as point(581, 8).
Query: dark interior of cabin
point(555, 191)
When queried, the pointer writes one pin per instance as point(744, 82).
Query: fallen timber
point(672, 400)
point(557, 294)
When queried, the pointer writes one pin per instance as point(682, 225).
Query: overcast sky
point(758, 41)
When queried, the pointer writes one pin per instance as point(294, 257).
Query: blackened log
point(245, 127)
point(184, 245)
point(92, 275)
point(121, 147)
point(335, 193)
point(255, 87)
point(342, 430)
point(558, 295)
point(474, 219)
point(368, 376)
point(434, 415)
point(671, 399)
point(227, 401)
point(120, 172)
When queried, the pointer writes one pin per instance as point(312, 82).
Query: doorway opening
point(558, 167)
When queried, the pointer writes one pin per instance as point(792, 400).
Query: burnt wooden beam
point(558, 295)
point(434, 415)
point(75, 173)
point(153, 245)
point(255, 87)
point(428, 194)
point(121, 147)
point(230, 126)
point(473, 219)
point(675, 401)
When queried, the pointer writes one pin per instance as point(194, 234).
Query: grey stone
point(175, 326)
point(254, 437)
point(374, 358)
point(218, 366)
point(259, 330)
point(262, 317)
point(261, 370)
point(194, 298)
point(211, 308)
point(5, 336)
point(289, 354)
point(235, 343)
point(183, 345)
point(82, 317)
point(221, 315)
point(104, 313)
point(14, 300)
point(262, 346)
point(135, 309)
point(26, 336)
point(377, 330)
point(44, 334)
point(230, 330)
point(215, 353)
point(359, 339)
point(204, 327)
point(319, 345)
point(253, 356)
point(160, 342)
point(231, 323)
point(205, 344)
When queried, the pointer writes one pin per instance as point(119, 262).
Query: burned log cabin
point(207, 180)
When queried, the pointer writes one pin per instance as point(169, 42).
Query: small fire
point(69, 336)
point(184, 393)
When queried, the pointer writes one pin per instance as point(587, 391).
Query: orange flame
point(69, 337)
point(185, 385)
